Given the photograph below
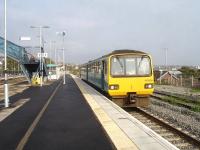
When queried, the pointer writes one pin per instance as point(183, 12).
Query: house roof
point(170, 73)
point(175, 72)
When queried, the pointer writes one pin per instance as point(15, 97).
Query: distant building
point(167, 77)
point(198, 67)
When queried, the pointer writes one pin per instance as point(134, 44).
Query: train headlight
point(114, 87)
point(148, 86)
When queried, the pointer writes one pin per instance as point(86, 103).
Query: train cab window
point(130, 66)
point(143, 66)
point(117, 66)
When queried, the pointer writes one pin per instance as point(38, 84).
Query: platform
point(125, 131)
point(75, 117)
point(67, 123)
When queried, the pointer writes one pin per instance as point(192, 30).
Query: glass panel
point(130, 66)
point(117, 66)
point(143, 66)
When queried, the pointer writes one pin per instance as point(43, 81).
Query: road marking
point(35, 122)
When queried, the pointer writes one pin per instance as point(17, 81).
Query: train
point(126, 76)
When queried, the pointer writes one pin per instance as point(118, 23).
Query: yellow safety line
point(35, 122)
point(118, 138)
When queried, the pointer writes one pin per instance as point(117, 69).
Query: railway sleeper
point(175, 140)
point(185, 146)
point(166, 134)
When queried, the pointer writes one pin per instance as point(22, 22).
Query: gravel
point(180, 117)
point(183, 91)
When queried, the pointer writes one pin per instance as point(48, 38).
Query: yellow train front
point(125, 75)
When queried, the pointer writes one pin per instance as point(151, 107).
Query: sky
point(97, 27)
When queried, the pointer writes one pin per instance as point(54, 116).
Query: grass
point(195, 90)
point(194, 106)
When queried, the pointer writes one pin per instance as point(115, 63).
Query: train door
point(103, 74)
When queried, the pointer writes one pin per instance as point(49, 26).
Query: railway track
point(14, 80)
point(192, 98)
point(180, 139)
point(16, 85)
point(189, 103)
point(175, 136)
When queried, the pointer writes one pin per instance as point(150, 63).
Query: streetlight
point(41, 61)
point(63, 33)
point(5, 57)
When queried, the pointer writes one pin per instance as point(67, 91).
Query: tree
point(187, 71)
point(48, 60)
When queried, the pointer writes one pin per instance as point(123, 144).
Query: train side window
point(89, 68)
point(93, 68)
point(97, 67)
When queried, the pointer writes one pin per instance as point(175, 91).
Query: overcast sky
point(96, 27)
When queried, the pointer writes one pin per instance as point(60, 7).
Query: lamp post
point(63, 33)
point(6, 94)
point(41, 61)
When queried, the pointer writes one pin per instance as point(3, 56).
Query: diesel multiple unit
point(125, 75)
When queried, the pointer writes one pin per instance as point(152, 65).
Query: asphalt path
point(67, 122)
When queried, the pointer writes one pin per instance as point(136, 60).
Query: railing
point(20, 55)
point(190, 81)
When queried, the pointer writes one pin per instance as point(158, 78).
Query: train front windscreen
point(130, 65)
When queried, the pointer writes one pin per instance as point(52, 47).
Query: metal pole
point(63, 59)
point(166, 58)
point(55, 62)
point(192, 80)
point(5, 58)
point(50, 59)
point(41, 70)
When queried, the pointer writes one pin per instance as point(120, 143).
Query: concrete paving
point(143, 137)
point(16, 86)
point(67, 123)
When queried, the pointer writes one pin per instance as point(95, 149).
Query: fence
point(181, 81)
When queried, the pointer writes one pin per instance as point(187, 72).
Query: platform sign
point(44, 55)
point(25, 38)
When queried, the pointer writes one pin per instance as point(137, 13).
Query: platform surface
point(67, 123)
point(141, 136)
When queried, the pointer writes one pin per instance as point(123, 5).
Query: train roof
point(121, 51)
